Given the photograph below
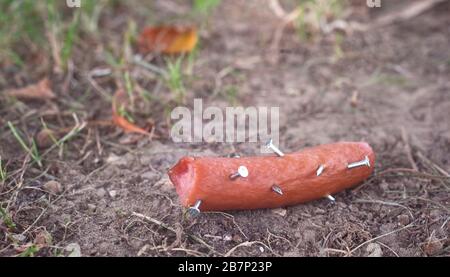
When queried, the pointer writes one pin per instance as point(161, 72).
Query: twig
point(245, 244)
point(381, 236)
point(137, 59)
point(413, 10)
point(432, 164)
point(157, 222)
point(408, 149)
point(337, 251)
point(385, 203)
point(433, 202)
point(277, 9)
point(286, 21)
point(382, 244)
point(234, 221)
point(413, 173)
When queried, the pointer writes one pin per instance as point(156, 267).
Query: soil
point(400, 74)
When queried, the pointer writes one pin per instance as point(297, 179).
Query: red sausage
point(208, 178)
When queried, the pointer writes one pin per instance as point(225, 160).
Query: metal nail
point(320, 170)
point(277, 189)
point(275, 149)
point(331, 198)
point(195, 210)
point(365, 162)
point(242, 172)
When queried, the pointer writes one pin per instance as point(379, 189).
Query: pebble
point(374, 250)
point(280, 211)
point(113, 193)
point(101, 192)
point(74, 250)
point(53, 187)
point(91, 207)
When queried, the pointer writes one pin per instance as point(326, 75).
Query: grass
point(41, 25)
point(378, 78)
point(30, 251)
point(312, 12)
point(19, 21)
point(231, 95)
point(175, 78)
point(31, 150)
point(3, 172)
point(205, 7)
point(6, 218)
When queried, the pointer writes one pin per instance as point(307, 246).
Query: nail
point(277, 189)
point(275, 149)
point(242, 172)
point(195, 210)
point(331, 198)
point(365, 162)
point(320, 170)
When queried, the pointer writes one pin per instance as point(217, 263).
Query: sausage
point(272, 181)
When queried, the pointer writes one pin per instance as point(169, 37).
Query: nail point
point(320, 170)
point(277, 189)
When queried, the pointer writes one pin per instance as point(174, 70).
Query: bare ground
point(401, 76)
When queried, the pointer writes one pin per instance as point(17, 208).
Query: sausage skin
point(208, 178)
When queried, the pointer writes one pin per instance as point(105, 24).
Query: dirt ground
point(399, 73)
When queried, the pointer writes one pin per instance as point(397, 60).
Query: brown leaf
point(168, 39)
point(119, 120)
point(39, 91)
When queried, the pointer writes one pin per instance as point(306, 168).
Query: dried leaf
point(39, 91)
point(119, 120)
point(168, 39)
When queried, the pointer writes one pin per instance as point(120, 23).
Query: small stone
point(280, 211)
point(149, 175)
point(261, 249)
point(403, 219)
point(53, 187)
point(74, 250)
point(227, 237)
point(91, 207)
point(319, 211)
point(116, 160)
point(374, 250)
point(113, 193)
point(101, 192)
